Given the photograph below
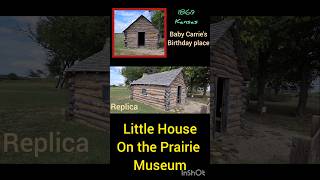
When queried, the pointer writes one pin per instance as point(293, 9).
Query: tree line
point(279, 50)
point(68, 39)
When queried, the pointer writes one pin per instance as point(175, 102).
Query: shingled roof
point(162, 79)
point(217, 30)
point(98, 62)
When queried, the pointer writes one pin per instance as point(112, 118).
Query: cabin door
point(141, 38)
point(179, 95)
point(222, 86)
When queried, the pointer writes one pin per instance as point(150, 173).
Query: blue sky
point(18, 53)
point(115, 75)
point(123, 18)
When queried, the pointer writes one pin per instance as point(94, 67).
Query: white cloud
point(126, 13)
point(147, 15)
point(117, 81)
point(120, 26)
point(117, 68)
point(123, 18)
point(115, 75)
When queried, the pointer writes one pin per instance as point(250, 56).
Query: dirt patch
point(255, 143)
point(191, 107)
point(141, 51)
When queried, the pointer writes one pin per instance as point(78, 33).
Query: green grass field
point(119, 43)
point(121, 50)
point(120, 95)
point(283, 113)
point(33, 108)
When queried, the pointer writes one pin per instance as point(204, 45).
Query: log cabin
point(165, 90)
point(88, 82)
point(141, 33)
point(229, 76)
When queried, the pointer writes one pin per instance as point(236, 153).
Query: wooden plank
point(94, 109)
point(93, 77)
point(95, 87)
point(149, 98)
point(152, 103)
point(89, 92)
point(154, 96)
point(315, 148)
point(91, 115)
point(315, 124)
point(300, 150)
point(89, 100)
point(105, 126)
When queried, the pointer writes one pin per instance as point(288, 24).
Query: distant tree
point(281, 50)
point(70, 38)
point(197, 77)
point(13, 76)
point(39, 71)
point(203, 78)
point(132, 73)
point(54, 66)
point(33, 73)
point(157, 19)
point(301, 50)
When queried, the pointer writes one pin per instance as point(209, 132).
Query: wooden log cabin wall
point(165, 90)
point(229, 78)
point(88, 81)
point(141, 33)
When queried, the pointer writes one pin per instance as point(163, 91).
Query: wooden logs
point(307, 149)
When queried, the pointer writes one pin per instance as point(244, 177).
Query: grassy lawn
point(121, 50)
point(283, 113)
point(33, 109)
point(119, 43)
point(120, 95)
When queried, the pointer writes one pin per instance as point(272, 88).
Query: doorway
point(141, 38)
point(179, 95)
point(221, 110)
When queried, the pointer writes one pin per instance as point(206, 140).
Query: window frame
point(144, 92)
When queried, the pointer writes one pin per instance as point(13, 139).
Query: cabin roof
point(217, 30)
point(98, 62)
point(162, 79)
point(140, 17)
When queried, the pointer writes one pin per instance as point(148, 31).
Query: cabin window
point(144, 92)
point(105, 93)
